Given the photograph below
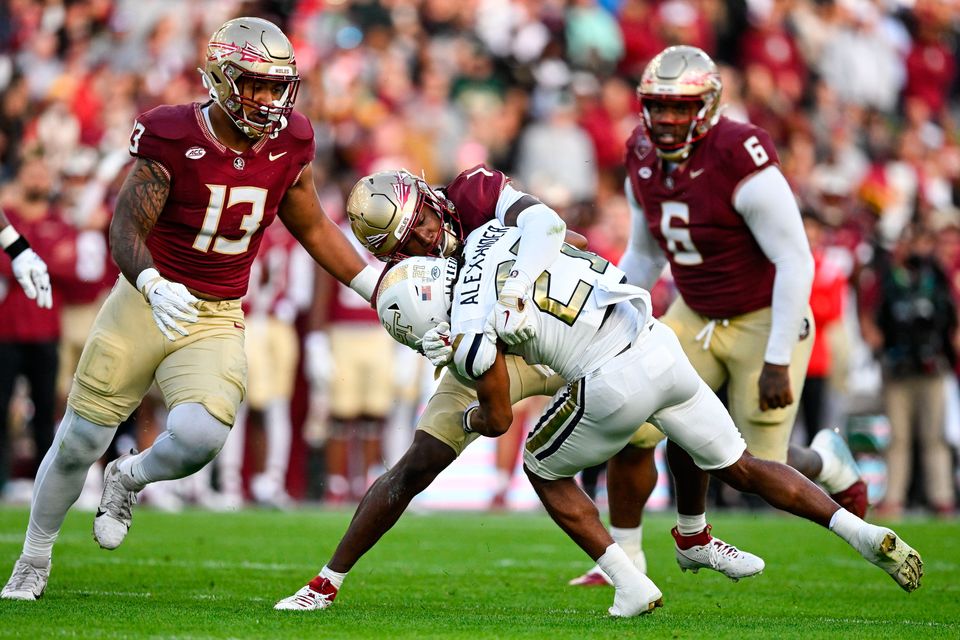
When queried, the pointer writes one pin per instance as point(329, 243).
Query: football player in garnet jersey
point(207, 180)
point(395, 214)
point(708, 196)
point(623, 367)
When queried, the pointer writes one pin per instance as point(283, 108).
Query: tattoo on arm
point(139, 203)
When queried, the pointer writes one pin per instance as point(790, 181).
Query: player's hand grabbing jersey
point(220, 201)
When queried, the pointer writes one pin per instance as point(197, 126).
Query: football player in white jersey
point(623, 368)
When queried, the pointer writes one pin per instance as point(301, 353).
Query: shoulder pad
point(170, 122)
point(299, 126)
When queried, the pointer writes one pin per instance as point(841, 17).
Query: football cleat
point(318, 594)
point(113, 517)
point(853, 498)
point(596, 577)
point(28, 580)
point(884, 548)
point(593, 578)
point(637, 599)
point(843, 481)
point(703, 551)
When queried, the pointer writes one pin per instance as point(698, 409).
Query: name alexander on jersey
point(473, 270)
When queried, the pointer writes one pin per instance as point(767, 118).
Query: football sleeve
point(475, 193)
point(770, 211)
point(643, 261)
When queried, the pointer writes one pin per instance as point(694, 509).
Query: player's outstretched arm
point(304, 217)
point(492, 414)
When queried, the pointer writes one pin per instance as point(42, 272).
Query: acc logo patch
point(195, 153)
point(805, 329)
point(645, 172)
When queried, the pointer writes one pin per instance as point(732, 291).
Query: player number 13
point(248, 224)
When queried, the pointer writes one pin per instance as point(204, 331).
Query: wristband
point(469, 411)
point(13, 243)
point(365, 282)
point(145, 279)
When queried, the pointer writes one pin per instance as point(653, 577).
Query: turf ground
point(205, 575)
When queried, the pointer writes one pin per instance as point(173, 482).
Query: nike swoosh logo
point(696, 173)
point(506, 317)
point(274, 157)
point(101, 512)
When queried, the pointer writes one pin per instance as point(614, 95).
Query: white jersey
point(580, 324)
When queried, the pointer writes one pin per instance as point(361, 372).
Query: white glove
point(169, 301)
point(318, 358)
point(436, 345)
point(511, 316)
point(31, 272)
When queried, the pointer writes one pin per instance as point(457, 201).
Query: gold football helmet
point(681, 74)
point(251, 48)
point(384, 208)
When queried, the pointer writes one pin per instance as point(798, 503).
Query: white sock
point(834, 476)
point(131, 470)
point(618, 566)
point(846, 525)
point(691, 525)
point(336, 579)
point(631, 541)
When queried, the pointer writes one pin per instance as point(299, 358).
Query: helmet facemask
point(242, 53)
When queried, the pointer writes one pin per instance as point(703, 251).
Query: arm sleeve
point(473, 354)
point(541, 238)
point(643, 261)
point(770, 210)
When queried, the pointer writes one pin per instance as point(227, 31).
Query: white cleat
point(703, 551)
point(113, 517)
point(884, 548)
point(28, 580)
point(318, 594)
point(638, 599)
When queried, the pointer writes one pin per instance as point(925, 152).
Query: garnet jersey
point(717, 264)
point(474, 194)
point(220, 201)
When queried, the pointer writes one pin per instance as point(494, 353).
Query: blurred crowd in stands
point(861, 97)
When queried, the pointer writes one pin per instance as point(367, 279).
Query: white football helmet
point(681, 74)
point(414, 296)
point(251, 48)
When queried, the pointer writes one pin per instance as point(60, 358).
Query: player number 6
point(756, 150)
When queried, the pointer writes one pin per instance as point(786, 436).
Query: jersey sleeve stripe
point(472, 357)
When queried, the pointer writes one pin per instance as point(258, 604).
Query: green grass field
point(206, 575)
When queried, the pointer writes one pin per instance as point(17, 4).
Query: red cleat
point(853, 498)
point(593, 578)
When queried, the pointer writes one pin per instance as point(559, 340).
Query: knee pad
point(198, 434)
point(79, 442)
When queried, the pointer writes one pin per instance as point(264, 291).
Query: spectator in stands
point(912, 330)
